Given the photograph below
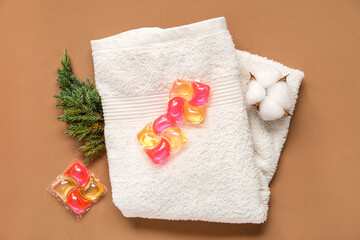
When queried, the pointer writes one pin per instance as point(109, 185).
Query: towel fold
point(268, 136)
point(222, 173)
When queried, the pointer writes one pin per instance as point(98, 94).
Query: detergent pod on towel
point(187, 102)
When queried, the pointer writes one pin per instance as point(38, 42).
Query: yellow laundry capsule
point(175, 137)
point(92, 190)
point(63, 186)
point(195, 115)
point(182, 88)
point(147, 138)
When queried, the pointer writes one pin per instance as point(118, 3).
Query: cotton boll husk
point(282, 94)
point(270, 110)
point(267, 78)
point(255, 93)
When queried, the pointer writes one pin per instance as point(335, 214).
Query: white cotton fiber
point(282, 94)
point(255, 93)
point(267, 78)
point(271, 91)
point(270, 110)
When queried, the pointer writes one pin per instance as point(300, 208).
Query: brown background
point(315, 194)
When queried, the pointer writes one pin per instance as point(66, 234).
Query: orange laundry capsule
point(195, 115)
point(147, 138)
point(77, 188)
point(182, 88)
point(63, 186)
point(187, 102)
point(92, 190)
point(175, 137)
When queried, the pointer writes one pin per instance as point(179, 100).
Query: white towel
point(268, 136)
point(215, 176)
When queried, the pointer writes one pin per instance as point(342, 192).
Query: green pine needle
point(83, 112)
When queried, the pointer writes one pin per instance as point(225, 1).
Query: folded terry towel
point(215, 176)
point(268, 136)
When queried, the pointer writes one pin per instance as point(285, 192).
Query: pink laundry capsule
point(76, 203)
point(67, 188)
point(161, 123)
point(201, 94)
point(160, 153)
point(176, 108)
point(79, 173)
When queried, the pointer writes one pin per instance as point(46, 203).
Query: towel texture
point(222, 173)
point(268, 136)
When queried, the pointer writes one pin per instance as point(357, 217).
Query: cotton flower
point(267, 78)
point(269, 110)
point(271, 94)
point(282, 94)
point(256, 93)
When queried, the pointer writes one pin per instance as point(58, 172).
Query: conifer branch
point(83, 112)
